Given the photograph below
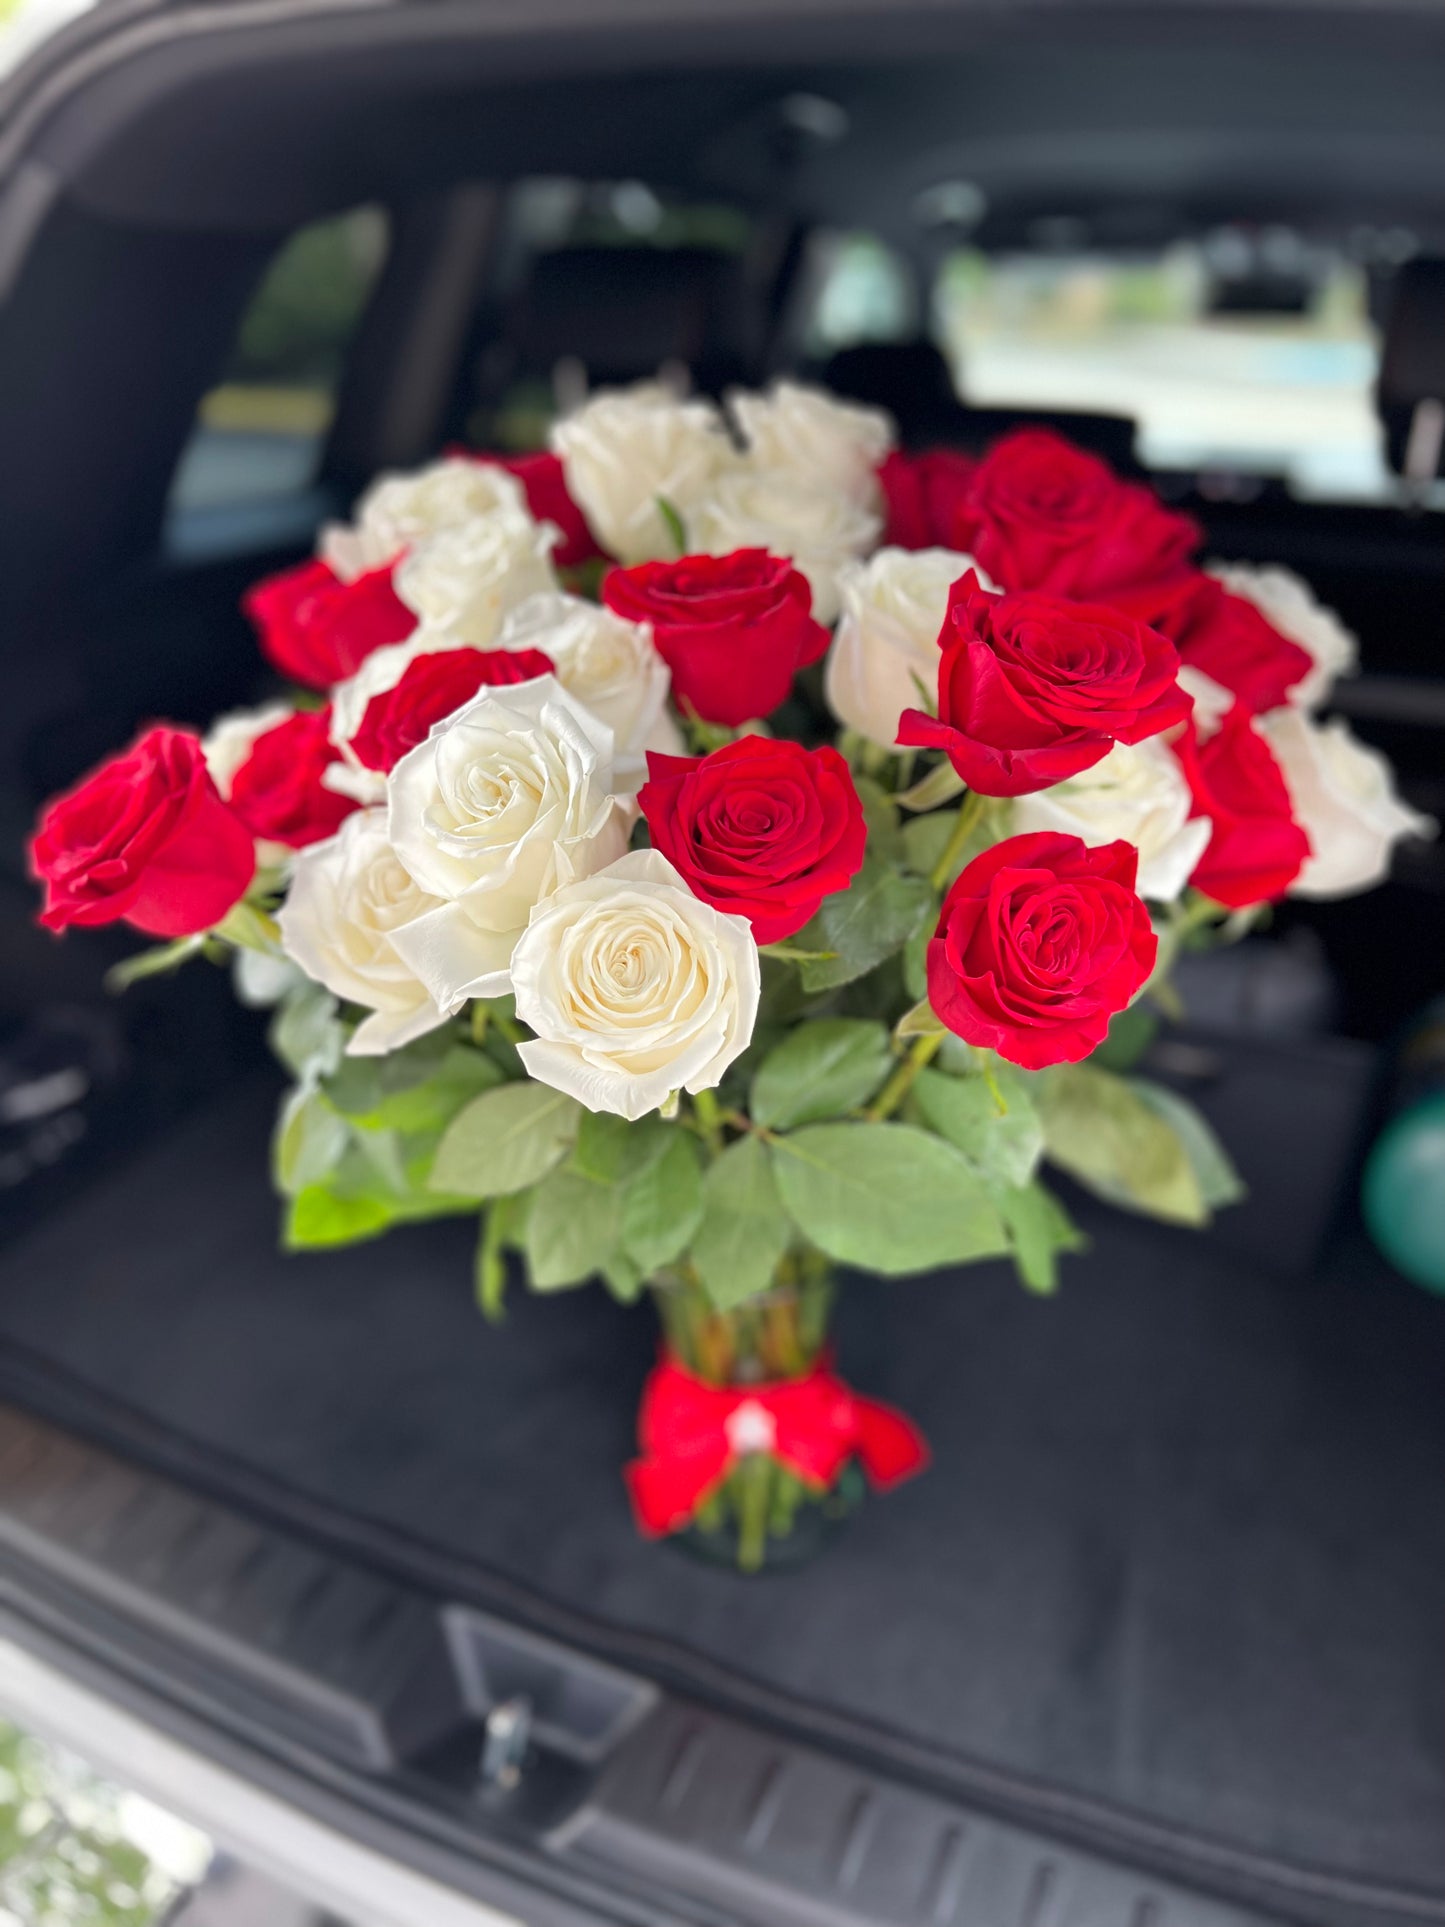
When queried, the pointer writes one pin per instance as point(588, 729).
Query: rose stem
point(709, 1117)
point(901, 1082)
point(973, 805)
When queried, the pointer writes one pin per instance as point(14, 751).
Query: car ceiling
point(1134, 121)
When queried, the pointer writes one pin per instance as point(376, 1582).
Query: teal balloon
point(1404, 1192)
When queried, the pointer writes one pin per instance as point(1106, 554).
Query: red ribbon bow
point(692, 1435)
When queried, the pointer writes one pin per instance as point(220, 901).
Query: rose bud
point(1032, 689)
point(1040, 942)
point(733, 629)
point(144, 839)
point(761, 828)
point(317, 629)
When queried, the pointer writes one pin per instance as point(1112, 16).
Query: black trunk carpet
point(1181, 1555)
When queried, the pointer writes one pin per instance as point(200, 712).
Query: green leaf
point(1219, 1183)
point(672, 522)
point(1040, 1229)
point(744, 1229)
point(921, 1021)
point(425, 1101)
point(940, 785)
point(821, 1069)
point(309, 1142)
point(320, 1218)
point(915, 960)
point(432, 1104)
point(572, 1230)
point(612, 1150)
point(886, 1197)
point(1131, 1032)
point(505, 1141)
point(359, 1085)
point(963, 1110)
point(157, 961)
point(306, 1033)
point(662, 1206)
point(623, 1278)
point(1102, 1132)
point(925, 839)
point(880, 813)
point(873, 917)
point(250, 928)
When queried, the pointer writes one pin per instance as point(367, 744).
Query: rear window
point(1241, 357)
point(260, 432)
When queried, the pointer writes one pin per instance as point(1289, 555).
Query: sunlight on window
point(1266, 379)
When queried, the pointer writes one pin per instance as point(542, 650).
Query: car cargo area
point(1176, 1573)
point(1164, 1619)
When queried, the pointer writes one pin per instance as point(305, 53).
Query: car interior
point(1159, 1639)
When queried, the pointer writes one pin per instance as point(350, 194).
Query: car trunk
point(1156, 1638)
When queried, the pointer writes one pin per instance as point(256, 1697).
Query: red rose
point(1257, 849)
point(144, 838)
point(762, 828)
point(278, 792)
point(317, 629)
point(1032, 689)
point(1049, 516)
point(1226, 637)
point(926, 498)
point(431, 688)
point(1040, 941)
point(545, 487)
point(733, 629)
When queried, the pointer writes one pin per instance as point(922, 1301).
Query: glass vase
point(761, 1517)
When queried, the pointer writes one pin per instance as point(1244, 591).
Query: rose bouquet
point(725, 847)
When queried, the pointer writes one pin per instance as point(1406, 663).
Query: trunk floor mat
point(1181, 1555)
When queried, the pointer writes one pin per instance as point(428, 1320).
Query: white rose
point(1138, 793)
point(814, 439)
point(464, 580)
point(1343, 797)
point(611, 667)
point(398, 511)
point(887, 642)
point(634, 988)
point(1289, 603)
point(821, 530)
point(625, 448)
point(503, 802)
point(347, 898)
point(1212, 701)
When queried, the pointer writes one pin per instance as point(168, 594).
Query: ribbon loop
point(692, 1434)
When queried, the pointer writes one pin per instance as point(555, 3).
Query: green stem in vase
point(752, 1483)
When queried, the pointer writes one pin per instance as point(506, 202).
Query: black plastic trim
point(341, 1683)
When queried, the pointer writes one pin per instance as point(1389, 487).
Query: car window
point(1244, 355)
point(260, 432)
point(1241, 357)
